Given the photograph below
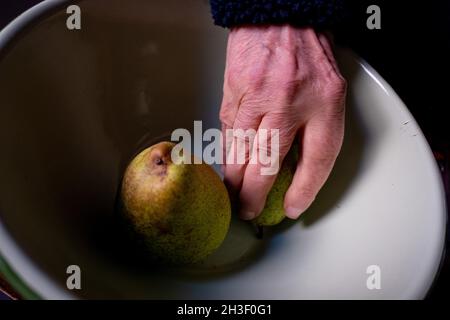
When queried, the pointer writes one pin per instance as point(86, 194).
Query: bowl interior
point(77, 105)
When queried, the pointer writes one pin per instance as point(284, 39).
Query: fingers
point(242, 137)
point(320, 145)
point(228, 112)
point(260, 173)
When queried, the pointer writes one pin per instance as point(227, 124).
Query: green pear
point(273, 212)
point(181, 212)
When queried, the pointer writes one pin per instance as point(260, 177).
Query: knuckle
point(225, 116)
point(325, 154)
point(322, 62)
point(324, 160)
point(232, 76)
point(265, 50)
point(259, 184)
point(275, 119)
point(245, 118)
point(257, 82)
point(290, 88)
point(335, 86)
point(307, 194)
point(334, 95)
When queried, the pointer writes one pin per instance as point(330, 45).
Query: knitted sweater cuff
point(315, 13)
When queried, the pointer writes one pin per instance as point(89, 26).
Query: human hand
point(285, 78)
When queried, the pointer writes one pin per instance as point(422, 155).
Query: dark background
point(411, 51)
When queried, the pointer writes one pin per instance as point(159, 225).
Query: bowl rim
point(18, 267)
point(15, 266)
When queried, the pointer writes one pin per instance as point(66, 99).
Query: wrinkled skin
point(285, 78)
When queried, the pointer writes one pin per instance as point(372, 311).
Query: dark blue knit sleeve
point(315, 13)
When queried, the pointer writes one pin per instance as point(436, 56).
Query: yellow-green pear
point(181, 212)
point(273, 212)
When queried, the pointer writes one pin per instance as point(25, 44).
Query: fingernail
point(247, 215)
point(293, 213)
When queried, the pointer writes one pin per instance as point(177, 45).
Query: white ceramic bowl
point(76, 104)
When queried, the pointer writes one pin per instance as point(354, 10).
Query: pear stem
point(259, 232)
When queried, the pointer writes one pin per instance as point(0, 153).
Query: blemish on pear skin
point(163, 229)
